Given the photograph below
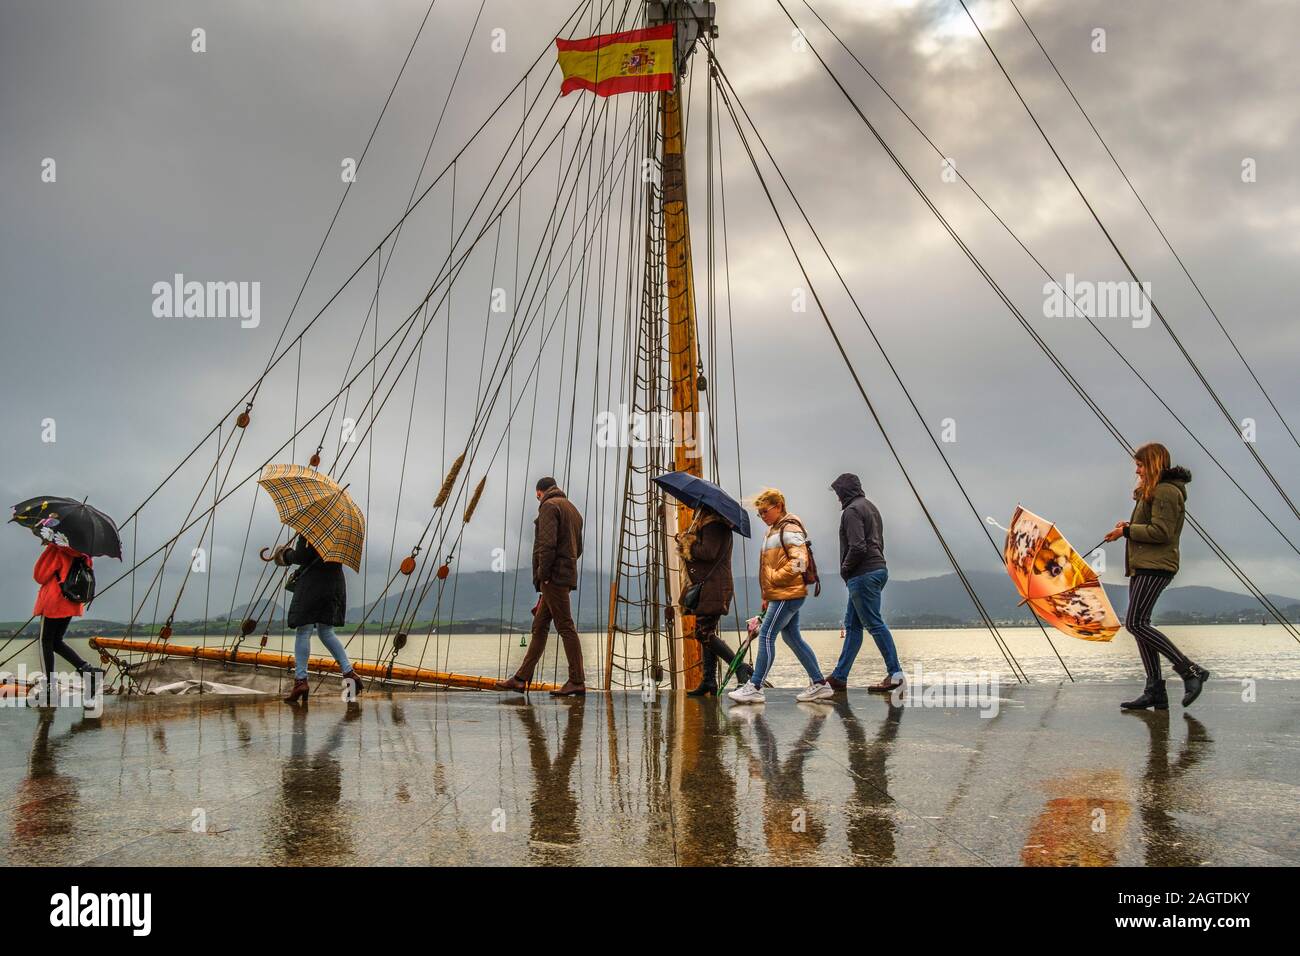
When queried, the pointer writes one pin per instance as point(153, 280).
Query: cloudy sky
point(224, 165)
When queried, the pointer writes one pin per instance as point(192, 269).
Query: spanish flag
point(636, 61)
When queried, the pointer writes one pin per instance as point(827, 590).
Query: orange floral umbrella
point(1055, 581)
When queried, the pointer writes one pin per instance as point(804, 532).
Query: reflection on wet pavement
point(1058, 778)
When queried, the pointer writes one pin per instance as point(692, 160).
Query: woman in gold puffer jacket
point(781, 577)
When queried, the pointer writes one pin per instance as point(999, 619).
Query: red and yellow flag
point(636, 61)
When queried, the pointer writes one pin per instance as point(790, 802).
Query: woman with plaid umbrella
point(331, 532)
point(320, 602)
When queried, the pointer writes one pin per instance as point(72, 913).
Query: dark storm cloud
point(225, 165)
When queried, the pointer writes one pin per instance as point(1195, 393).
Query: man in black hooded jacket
point(862, 566)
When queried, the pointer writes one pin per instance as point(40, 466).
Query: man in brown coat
point(557, 546)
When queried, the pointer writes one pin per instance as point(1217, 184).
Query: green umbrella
point(735, 661)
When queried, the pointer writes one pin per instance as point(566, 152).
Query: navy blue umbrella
point(694, 492)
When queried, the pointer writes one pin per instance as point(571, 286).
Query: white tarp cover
point(182, 687)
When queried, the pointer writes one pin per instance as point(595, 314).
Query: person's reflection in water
point(308, 827)
point(793, 832)
point(870, 826)
point(710, 816)
point(47, 804)
point(1167, 842)
point(553, 820)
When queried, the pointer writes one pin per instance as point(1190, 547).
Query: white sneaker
point(816, 692)
point(747, 693)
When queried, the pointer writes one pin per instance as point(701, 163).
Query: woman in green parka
point(1150, 562)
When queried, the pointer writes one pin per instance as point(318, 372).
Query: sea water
point(1242, 652)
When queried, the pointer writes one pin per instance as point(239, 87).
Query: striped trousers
point(1143, 592)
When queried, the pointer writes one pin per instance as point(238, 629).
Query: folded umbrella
point(694, 492)
point(71, 523)
point(1055, 581)
point(754, 623)
point(314, 505)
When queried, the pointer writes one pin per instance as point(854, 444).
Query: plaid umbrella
point(316, 507)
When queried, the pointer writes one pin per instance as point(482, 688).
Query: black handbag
point(291, 581)
point(690, 598)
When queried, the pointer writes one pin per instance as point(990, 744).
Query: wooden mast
point(692, 20)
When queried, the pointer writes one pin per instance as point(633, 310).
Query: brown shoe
point(886, 686)
point(514, 684)
point(837, 685)
point(570, 689)
point(299, 692)
point(353, 676)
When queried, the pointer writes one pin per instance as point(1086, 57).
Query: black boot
point(744, 674)
point(1153, 696)
point(708, 686)
point(1194, 679)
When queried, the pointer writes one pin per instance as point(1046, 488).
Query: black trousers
point(713, 647)
point(1143, 592)
point(52, 631)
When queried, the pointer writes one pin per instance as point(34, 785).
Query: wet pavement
point(1058, 777)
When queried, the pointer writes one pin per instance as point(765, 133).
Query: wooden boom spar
point(317, 665)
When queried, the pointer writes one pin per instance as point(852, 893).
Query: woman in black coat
point(705, 550)
point(320, 601)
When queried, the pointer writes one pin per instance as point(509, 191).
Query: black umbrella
point(69, 522)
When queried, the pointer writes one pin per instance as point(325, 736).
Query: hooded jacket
point(862, 533)
point(557, 541)
point(51, 571)
point(1153, 529)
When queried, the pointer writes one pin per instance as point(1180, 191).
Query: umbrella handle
point(266, 557)
point(1093, 548)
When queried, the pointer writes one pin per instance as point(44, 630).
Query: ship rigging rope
point(409, 616)
point(342, 199)
point(731, 347)
point(730, 93)
point(378, 249)
point(476, 440)
point(1042, 344)
point(1042, 268)
point(475, 210)
point(1151, 216)
point(989, 624)
point(429, 568)
point(506, 485)
point(1232, 422)
point(171, 544)
point(483, 232)
point(481, 415)
point(311, 323)
point(405, 325)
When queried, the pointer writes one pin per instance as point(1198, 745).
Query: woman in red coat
point(55, 610)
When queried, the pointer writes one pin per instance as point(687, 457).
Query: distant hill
point(922, 602)
point(474, 601)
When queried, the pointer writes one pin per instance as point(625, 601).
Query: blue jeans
point(302, 649)
point(864, 608)
point(783, 617)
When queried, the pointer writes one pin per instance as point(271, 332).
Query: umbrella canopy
point(71, 523)
point(694, 492)
point(1055, 581)
point(316, 507)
